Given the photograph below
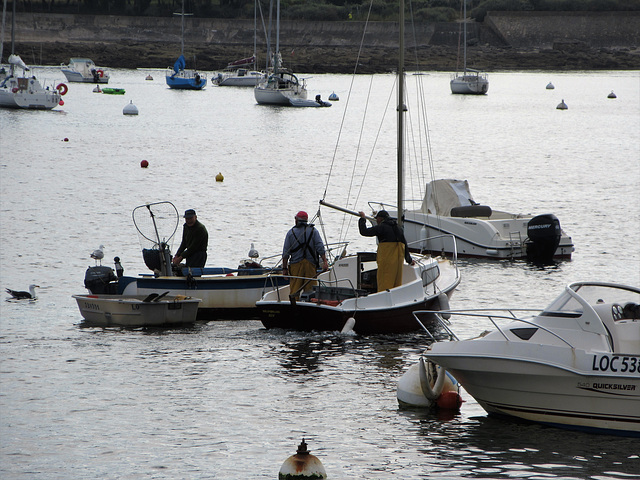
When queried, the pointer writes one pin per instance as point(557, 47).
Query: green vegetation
point(318, 10)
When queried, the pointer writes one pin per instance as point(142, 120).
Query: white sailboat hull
point(27, 93)
point(470, 84)
point(274, 96)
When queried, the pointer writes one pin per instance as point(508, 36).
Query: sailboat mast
point(277, 59)
point(182, 31)
point(401, 110)
point(464, 22)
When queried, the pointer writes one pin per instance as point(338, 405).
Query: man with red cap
point(302, 248)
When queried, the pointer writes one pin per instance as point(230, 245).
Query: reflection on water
point(232, 400)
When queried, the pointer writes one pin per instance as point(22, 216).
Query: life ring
point(100, 72)
point(63, 88)
point(14, 89)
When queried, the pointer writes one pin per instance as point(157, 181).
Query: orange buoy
point(219, 177)
point(144, 164)
point(449, 400)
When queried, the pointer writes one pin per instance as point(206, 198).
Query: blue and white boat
point(179, 77)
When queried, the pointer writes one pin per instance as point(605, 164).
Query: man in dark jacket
point(195, 239)
point(392, 248)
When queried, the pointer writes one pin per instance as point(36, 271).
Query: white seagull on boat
point(30, 295)
point(98, 254)
point(253, 253)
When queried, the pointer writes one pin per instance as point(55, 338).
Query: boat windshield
point(592, 294)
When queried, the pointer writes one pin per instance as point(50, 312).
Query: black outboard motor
point(101, 279)
point(544, 235)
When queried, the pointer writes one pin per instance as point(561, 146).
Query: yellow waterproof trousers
point(303, 268)
point(390, 258)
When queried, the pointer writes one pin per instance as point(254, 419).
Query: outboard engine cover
point(101, 279)
point(544, 235)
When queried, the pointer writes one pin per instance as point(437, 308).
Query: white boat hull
point(553, 394)
point(28, 93)
point(83, 70)
point(575, 365)
point(134, 311)
point(249, 79)
point(269, 96)
point(470, 85)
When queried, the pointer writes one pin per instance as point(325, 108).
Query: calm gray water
point(230, 400)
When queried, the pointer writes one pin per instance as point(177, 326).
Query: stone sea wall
point(505, 40)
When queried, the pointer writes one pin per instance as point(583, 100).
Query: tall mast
point(401, 111)
point(182, 31)
point(464, 21)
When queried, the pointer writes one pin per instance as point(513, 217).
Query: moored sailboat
point(470, 81)
point(179, 77)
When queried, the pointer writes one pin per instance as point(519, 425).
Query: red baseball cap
point(302, 215)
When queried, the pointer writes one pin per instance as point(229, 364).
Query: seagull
point(98, 254)
point(30, 295)
point(253, 253)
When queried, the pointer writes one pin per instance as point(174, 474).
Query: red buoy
point(61, 102)
point(144, 164)
point(65, 139)
point(450, 400)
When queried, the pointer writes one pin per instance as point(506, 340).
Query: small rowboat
point(113, 91)
point(137, 310)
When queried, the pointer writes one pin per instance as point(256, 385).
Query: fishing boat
point(449, 214)
point(226, 293)
point(282, 85)
point(84, 70)
point(25, 91)
point(346, 296)
point(470, 81)
point(575, 364)
point(179, 77)
point(155, 310)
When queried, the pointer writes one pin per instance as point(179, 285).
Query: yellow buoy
point(219, 177)
point(301, 466)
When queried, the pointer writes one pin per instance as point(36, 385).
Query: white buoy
point(97, 89)
point(130, 109)
point(302, 465)
point(612, 95)
point(149, 77)
point(334, 97)
point(562, 105)
point(550, 86)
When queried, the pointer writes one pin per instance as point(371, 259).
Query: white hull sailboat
point(84, 70)
point(469, 81)
point(25, 91)
point(281, 86)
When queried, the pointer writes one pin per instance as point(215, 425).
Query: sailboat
point(242, 73)
point(281, 86)
point(179, 77)
point(346, 297)
point(470, 81)
point(22, 91)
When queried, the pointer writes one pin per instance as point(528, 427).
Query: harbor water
point(229, 399)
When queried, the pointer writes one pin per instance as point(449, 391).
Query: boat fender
point(348, 325)
point(62, 88)
point(100, 72)
point(431, 393)
point(443, 302)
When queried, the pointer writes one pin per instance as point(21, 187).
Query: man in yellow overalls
point(392, 248)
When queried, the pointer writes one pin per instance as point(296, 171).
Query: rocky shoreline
point(562, 57)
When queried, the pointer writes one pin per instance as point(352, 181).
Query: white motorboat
point(154, 310)
point(448, 211)
point(576, 364)
point(346, 297)
point(281, 86)
point(83, 70)
point(470, 81)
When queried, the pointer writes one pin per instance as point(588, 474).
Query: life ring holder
point(100, 72)
point(62, 88)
